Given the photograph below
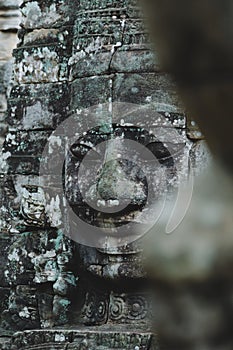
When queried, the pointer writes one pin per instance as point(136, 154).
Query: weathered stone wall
point(34, 272)
point(9, 24)
point(71, 55)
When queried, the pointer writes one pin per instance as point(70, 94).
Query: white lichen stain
point(92, 49)
point(14, 256)
point(24, 313)
point(31, 13)
point(3, 161)
point(33, 17)
point(59, 337)
point(33, 205)
point(148, 98)
point(41, 34)
point(34, 114)
point(40, 66)
point(11, 139)
point(54, 143)
point(53, 212)
point(123, 23)
point(115, 47)
point(45, 266)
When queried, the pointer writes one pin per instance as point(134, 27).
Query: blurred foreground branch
point(194, 41)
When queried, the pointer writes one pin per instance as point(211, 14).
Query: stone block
point(126, 8)
point(108, 29)
point(21, 312)
point(134, 61)
point(86, 338)
point(45, 307)
point(34, 106)
point(23, 165)
point(135, 33)
point(122, 60)
point(85, 65)
point(25, 143)
point(93, 33)
point(89, 92)
point(44, 64)
point(48, 14)
point(145, 88)
point(55, 36)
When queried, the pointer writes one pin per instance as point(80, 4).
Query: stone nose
point(119, 181)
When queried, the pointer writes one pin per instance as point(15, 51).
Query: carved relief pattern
point(128, 307)
point(95, 310)
point(80, 340)
point(137, 307)
point(116, 308)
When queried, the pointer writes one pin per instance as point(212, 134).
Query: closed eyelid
point(79, 150)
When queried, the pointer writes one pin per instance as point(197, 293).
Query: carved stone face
point(114, 184)
point(107, 188)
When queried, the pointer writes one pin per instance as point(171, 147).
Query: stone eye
point(80, 150)
point(160, 152)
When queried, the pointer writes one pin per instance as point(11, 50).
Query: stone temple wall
point(9, 25)
point(34, 254)
point(71, 55)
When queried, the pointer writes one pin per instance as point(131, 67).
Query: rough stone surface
point(73, 55)
point(97, 339)
point(9, 24)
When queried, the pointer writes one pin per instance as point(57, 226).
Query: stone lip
point(91, 338)
point(89, 329)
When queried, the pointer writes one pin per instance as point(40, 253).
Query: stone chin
point(120, 263)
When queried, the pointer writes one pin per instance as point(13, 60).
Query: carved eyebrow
point(80, 148)
point(87, 144)
point(161, 153)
